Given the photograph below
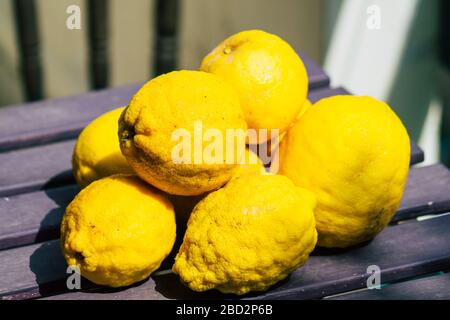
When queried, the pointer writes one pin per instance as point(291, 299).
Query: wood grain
point(427, 192)
point(36, 168)
point(436, 287)
point(401, 252)
point(34, 217)
point(328, 272)
point(31, 169)
point(58, 119)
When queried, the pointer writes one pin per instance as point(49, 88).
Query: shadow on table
point(321, 251)
point(49, 268)
point(50, 224)
point(61, 179)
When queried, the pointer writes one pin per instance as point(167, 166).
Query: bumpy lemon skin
point(353, 153)
point(118, 230)
point(176, 101)
point(97, 152)
point(184, 205)
point(268, 75)
point(247, 236)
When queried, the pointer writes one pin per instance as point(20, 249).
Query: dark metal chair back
point(27, 28)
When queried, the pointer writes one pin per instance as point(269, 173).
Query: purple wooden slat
point(29, 271)
point(401, 252)
point(145, 291)
point(25, 268)
point(58, 119)
point(31, 169)
point(316, 76)
point(430, 288)
point(428, 192)
point(417, 154)
point(35, 217)
point(53, 120)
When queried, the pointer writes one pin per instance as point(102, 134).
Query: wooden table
point(36, 184)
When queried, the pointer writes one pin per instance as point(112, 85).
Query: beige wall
point(203, 24)
point(9, 78)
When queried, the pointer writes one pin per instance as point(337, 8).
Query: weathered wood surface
point(30, 271)
point(427, 192)
point(35, 217)
point(401, 252)
point(31, 169)
point(430, 288)
point(59, 119)
point(36, 184)
point(417, 155)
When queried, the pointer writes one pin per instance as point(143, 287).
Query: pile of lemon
point(343, 164)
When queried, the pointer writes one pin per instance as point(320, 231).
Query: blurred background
point(397, 51)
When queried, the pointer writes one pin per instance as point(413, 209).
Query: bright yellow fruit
point(248, 235)
point(274, 147)
point(268, 75)
point(185, 204)
point(306, 106)
point(353, 153)
point(165, 112)
point(251, 164)
point(97, 151)
point(118, 230)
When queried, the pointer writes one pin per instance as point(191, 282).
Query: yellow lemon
point(118, 230)
point(353, 153)
point(306, 106)
point(184, 205)
point(251, 164)
point(273, 146)
point(162, 130)
point(248, 235)
point(268, 75)
point(97, 151)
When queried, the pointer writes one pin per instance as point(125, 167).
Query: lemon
point(117, 230)
point(184, 205)
point(273, 146)
point(251, 164)
point(306, 106)
point(353, 153)
point(248, 235)
point(97, 151)
point(170, 111)
point(268, 75)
